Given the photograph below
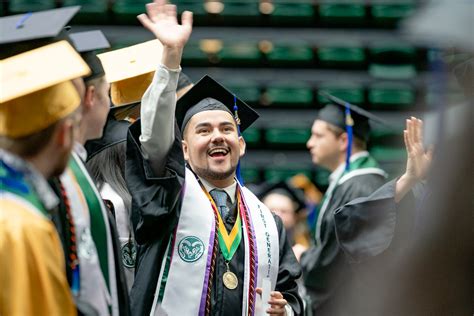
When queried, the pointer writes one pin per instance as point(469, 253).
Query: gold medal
point(230, 280)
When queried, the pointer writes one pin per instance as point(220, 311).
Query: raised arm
point(159, 101)
point(418, 160)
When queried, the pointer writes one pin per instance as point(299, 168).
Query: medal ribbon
point(228, 242)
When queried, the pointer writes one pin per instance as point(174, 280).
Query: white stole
point(188, 274)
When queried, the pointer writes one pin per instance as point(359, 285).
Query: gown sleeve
point(367, 226)
point(289, 271)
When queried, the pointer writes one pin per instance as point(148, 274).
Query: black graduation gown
point(325, 269)
point(156, 204)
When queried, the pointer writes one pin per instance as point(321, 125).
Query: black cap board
point(334, 113)
point(208, 94)
point(87, 43)
point(32, 30)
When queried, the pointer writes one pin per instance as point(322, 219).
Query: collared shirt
point(33, 177)
point(230, 190)
point(80, 150)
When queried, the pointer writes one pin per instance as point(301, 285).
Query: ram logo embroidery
point(190, 249)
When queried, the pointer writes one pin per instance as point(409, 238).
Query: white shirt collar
point(230, 190)
point(340, 169)
point(80, 150)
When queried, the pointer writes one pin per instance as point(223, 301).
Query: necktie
point(220, 198)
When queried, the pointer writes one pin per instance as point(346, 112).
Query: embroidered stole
point(99, 226)
point(183, 282)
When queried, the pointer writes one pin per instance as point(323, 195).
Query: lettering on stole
point(269, 246)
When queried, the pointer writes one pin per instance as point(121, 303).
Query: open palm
point(161, 20)
point(419, 160)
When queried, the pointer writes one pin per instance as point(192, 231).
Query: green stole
point(97, 218)
point(14, 182)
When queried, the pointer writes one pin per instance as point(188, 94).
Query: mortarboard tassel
point(238, 173)
point(349, 125)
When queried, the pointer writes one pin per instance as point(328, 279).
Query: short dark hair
point(337, 131)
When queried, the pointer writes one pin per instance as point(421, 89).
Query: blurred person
point(199, 262)
point(96, 275)
point(39, 115)
point(287, 202)
point(338, 143)
point(421, 245)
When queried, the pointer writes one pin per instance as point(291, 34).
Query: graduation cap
point(208, 94)
point(130, 70)
point(351, 118)
point(285, 189)
point(87, 43)
point(115, 132)
point(131, 112)
point(36, 90)
point(23, 32)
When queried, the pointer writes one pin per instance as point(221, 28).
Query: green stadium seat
point(294, 137)
point(295, 95)
point(288, 54)
point(392, 61)
point(252, 136)
point(240, 12)
point(126, 11)
point(290, 13)
point(352, 93)
point(200, 15)
point(384, 154)
point(391, 96)
point(283, 173)
point(248, 91)
point(240, 54)
point(342, 12)
point(92, 11)
point(20, 6)
point(341, 56)
point(383, 136)
point(202, 53)
point(388, 14)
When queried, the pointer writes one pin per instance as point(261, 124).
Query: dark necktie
point(220, 198)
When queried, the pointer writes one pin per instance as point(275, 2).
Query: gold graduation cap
point(36, 90)
point(130, 70)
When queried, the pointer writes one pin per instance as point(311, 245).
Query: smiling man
point(206, 244)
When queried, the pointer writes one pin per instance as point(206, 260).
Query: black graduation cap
point(283, 188)
point(115, 132)
point(23, 32)
point(335, 114)
point(87, 43)
point(208, 94)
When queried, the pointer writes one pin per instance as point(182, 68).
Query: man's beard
point(212, 175)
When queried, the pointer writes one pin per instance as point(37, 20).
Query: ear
point(64, 134)
point(343, 142)
point(242, 146)
point(89, 97)
point(185, 147)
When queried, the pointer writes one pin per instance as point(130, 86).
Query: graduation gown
point(156, 207)
point(31, 260)
point(325, 269)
